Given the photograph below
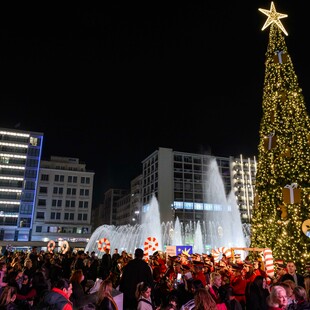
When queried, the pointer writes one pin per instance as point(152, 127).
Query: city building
point(178, 179)
point(20, 154)
point(108, 210)
point(64, 201)
point(243, 173)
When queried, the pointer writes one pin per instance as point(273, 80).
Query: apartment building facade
point(64, 201)
point(20, 155)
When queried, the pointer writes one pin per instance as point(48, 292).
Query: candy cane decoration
point(51, 246)
point(149, 244)
point(104, 244)
point(64, 247)
point(222, 250)
point(269, 266)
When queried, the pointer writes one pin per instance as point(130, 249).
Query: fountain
point(224, 227)
point(221, 225)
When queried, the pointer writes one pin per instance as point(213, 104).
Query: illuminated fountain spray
point(221, 225)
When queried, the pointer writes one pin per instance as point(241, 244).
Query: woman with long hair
point(79, 298)
point(105, 299)
point(7, 298)
point(256, 294)
point(203, 300)
point(143, 296)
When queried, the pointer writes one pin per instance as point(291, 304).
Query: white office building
point(64, 201)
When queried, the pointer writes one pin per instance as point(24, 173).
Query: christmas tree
point(281, 215)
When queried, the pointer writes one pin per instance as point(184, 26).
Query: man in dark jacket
point(136, 271)
point(292, 274)
point(106, 264)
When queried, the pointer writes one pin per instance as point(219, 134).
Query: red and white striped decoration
point(222, 250)
point(104, 244)
point(269, 266)
point(150, 244)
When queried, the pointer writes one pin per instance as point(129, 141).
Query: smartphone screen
point(179, 277)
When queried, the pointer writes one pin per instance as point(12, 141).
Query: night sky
point(110, 84)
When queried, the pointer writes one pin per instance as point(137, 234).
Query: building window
point(71, 191)
point(85, 180)
point(59, 178)
point(83, 204)
point(38, 229)
point(40, 215)
point(82, 217)
point(44, 177)
point(43, 190)
point(69, 216)
point(56, 203)
point(58, 190)
point(70, 203)
point(84, 192)
point(52, 229)
point(42, 203)
point(55, 215)
point(72, 179)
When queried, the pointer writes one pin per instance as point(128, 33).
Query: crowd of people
point(82, 281)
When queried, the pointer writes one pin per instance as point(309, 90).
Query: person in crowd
point(277, 299)
point(143, 296)
point(106, 264)
point(214, 289)
point(279, 273)
point(258, 271)
point(58, 297)
point(134, 272)
point(301, 298)
point(238, 282)
point(116, 256)
point(105, 301)
point(3, 271)
point(289, 286)
point(7, 298)
point(29, 269)
point(79, 265)
point(193, 287)
point(227, 295)
point(204, 301)
point(34, 257)
point(291, 270)
point(15, 278)
point(78, 297)
point(40, 284)
point(92, 272)
point(66, 264)
point(25, 294)
point(307, 285)
point(172, 303)
point(198, 272)
point(256, 294)
point(124, 259)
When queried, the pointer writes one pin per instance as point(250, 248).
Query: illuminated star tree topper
point(273, 17)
